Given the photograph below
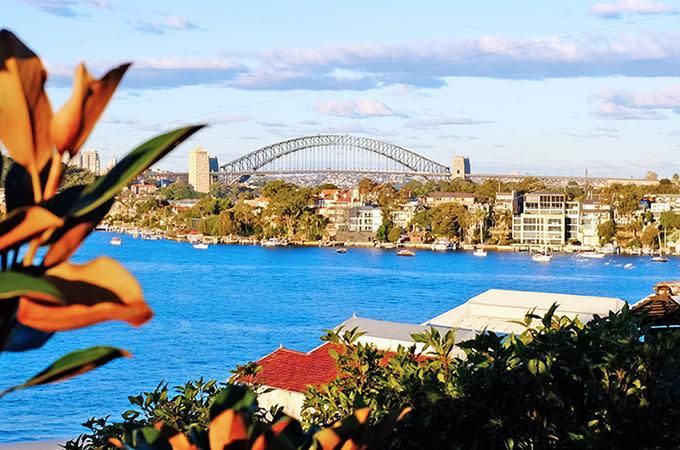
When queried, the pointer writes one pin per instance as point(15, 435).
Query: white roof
point(497, 309)
point(388, 336)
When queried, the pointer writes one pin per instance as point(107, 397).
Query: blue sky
point(523, 86)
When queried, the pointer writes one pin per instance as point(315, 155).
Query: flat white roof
point(497, 310)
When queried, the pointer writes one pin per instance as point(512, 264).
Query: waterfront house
point(401, 217)
point(286, 374)
point(593, 214)
point(508, 201)
point(547, 218)
point(364, 219)
point(440, 198)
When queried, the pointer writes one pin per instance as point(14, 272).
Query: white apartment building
point(402, 217)
point(508, 201)
point(364, 219)
point(440, 198)
point(199, 170)
point(547, 219)
point(90, 161)
point(593, 213)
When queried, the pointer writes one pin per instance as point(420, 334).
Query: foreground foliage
point(42, 292)
point(209, 416)
point(609, 383)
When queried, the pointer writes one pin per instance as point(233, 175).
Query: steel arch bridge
point(332, 153)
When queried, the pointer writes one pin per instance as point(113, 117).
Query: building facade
point(90, 161)
point(593, 214)
point(508, 201)
point(547, 219)
point(364, 219)
point(213, 164)
point(199, 170)
point(460, 167)
point(439, 198)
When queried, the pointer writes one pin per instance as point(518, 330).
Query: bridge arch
point(411, 161)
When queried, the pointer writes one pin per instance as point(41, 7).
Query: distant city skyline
point(539, 88)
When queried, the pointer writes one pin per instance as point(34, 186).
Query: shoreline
point(513, 248)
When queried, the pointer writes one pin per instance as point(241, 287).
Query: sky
point(528, 86)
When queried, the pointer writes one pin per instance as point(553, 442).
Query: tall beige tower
point(199, 170)
point(90, 161)
point(460, 168)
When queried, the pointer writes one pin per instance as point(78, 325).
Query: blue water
point(230, 304)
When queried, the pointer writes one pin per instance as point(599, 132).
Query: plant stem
point(37, 188)
point(54, 177)
point(30, 254)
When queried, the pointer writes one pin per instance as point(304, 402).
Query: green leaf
point(234, 396)
point(72, 364)
point(16, 284)
point(136, 162)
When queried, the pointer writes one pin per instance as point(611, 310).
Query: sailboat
point(660, 257)
point(542, 256)
point(480, 251)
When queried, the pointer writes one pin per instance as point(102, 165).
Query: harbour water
point(227, 305)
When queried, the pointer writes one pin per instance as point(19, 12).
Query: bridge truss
point(332, 154)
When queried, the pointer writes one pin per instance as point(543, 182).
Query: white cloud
point(628, 7)
point(626, 105)
point(167, 23)
point(67, 8)
point(438, 122)
point(356, 108)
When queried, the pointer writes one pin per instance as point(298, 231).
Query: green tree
point(606, 231)
point(650, 237)
point(670, 220)
point(178, 190)
point(394, 234)
point(449, 220)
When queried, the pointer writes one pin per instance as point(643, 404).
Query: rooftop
point(451, 194)
point(498, 310)
point(396, 332)
point(294, 371)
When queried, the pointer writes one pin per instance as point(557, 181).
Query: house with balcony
point(439, 198)
point(547, 218)
point(364, 219)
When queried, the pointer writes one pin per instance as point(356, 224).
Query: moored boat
point(593, 255)
point(541, 257)
point(406, 252)
point(479, 252)
point(274, 242)
point(116, 241)
point(341, 250)
point(442, 245)
point(201, 246)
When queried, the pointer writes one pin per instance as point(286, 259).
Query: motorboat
point(479, 252)
point(116, 241)
point(442, 245)
point(541, 257)
point(659, 258)
point(274, 242)
point(201, 246)
point(341, 250)
point(593, 255)
point(406, 252)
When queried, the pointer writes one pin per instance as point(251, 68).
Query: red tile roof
point(294, 371)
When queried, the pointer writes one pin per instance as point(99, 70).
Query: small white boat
point(628, 266)
point(406, 252)
point(541, 257)
point(593, 255)
point(479, 252)
point(442, 245)
point(274, 242)
point(341, 250)
point(659, 258)
point(116, 241)
point(201, 246)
